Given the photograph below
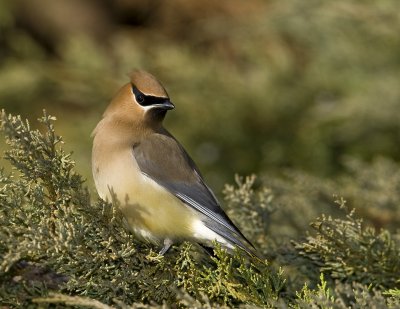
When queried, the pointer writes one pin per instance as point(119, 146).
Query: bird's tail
point(235, 239)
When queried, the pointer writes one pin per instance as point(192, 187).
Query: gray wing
point(172, 168)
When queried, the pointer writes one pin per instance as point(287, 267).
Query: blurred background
point(259, 86)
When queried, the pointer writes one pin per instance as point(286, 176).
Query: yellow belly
point(153, 212)
point(149, 209)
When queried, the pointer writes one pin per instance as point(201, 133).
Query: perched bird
point(159, 189)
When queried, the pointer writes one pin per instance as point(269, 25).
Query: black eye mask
point(147, 100)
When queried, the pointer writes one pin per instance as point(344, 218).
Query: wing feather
point(172, 168)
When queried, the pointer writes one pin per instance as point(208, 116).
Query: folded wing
point(173, 169)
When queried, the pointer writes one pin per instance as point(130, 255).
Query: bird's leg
point(167, 244)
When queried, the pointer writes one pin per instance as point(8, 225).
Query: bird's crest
point(147, 84)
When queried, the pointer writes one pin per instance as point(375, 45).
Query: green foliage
point(321, 295)
point(373, 189)
point(342, 296)
point(246, 204)
point(349, 252)
point(230, 279)
point(297, 197)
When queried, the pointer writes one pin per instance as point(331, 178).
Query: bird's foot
point(167, 244)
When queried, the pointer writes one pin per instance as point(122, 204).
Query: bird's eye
point(140, 98)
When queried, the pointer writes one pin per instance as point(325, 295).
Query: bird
point(142, 167)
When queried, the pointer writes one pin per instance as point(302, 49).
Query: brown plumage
point(158, 186)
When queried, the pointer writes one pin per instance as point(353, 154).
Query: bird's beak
point(166, 105)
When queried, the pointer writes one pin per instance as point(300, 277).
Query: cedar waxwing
point(159, 189)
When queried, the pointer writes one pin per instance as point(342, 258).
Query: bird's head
point(142, 100)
